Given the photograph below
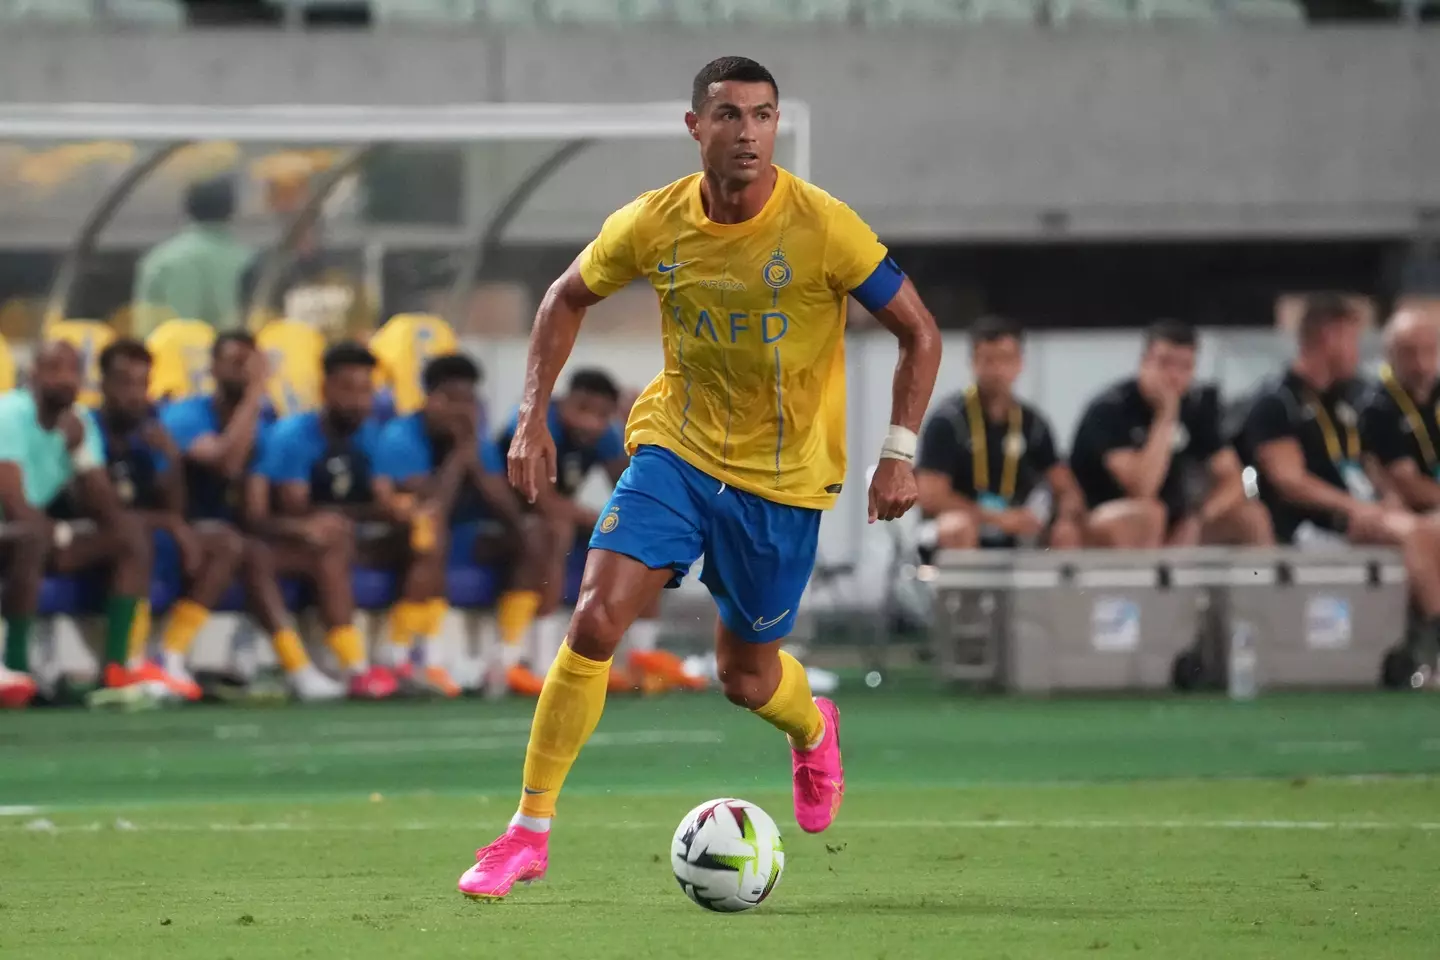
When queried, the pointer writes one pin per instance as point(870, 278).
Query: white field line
point(355, 748)
point(45, 826)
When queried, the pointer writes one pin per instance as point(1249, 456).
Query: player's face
point(125, 391)
point(997, 366)
point(1415, 357)
point(587, 416)
point(349, 393)
point(735, 128)
point(1166, 369)
point(452, 407)
point(1342, 348)
point(228, 368)
point(57, 377)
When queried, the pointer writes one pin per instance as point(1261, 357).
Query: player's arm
point(1385, 443)
point(937, 461)
point(228, 452)
point(1141, 473)
point(486, 472)
point(170, 475)
point(12, 477)
point(92, 482)
point(281, 479)
point(1227, 482)
point(904, 315)
point(1281, 461)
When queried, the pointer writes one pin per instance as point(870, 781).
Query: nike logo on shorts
point(762, 624)
point(664, 267)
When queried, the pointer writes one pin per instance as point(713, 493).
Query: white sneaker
point(312, 686)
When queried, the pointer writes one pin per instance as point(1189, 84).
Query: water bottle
point(1242, 662)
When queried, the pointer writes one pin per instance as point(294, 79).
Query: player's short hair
point(1173, 331)
point(126, 348)
point(1321, 311)
point(991, 327)
point(448, 369)
point(598, 382)
point(232, 336)
point(347, 354)
point(721, 69)
point(211, 201)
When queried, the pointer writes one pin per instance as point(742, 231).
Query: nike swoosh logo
point(533, 793)
point(762, 624)
point(670, 267)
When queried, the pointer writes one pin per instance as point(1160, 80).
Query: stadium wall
point(994, 133)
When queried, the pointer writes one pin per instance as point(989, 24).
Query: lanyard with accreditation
point(1345, 455)
point(1418, 428)
point(1013, 446)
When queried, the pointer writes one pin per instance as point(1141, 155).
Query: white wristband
point(899, 444)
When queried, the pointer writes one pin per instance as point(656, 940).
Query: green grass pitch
point(1297, 826)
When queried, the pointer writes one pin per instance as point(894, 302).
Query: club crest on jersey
point(611, 521)
point(340, 479)
point(776, 273)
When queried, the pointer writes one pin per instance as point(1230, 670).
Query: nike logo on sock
point(533, 793)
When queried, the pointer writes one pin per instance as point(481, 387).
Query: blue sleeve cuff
point(881, 286)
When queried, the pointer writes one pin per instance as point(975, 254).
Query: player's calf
point(222, 550)
point(266, 604)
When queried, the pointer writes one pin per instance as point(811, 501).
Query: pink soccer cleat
point(518, 856)
point(820, 775)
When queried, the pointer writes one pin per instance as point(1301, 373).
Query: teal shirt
point(195, 275)
point(45, 463)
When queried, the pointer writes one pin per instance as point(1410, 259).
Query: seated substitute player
point(737, 447)
point(985, 455)
point(1303, 438)
point(317, 470)
point(218, 436)
point(148, 476)
point(1147, 449)
point(1398, 416)
point(46, 445)
point(436, 468)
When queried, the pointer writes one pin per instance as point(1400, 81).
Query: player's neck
point(996, 404)
point(736, 202)
point(1314, 371)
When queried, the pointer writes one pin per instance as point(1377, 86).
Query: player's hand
point(157, 438)
point(257, 372)
point(1020, 522)
point(892, 489)
point(187, 543)
point(1365, 520)
point(328, 529)
point(532, 459)
point(71, 426)
point(464, 436)
point(1186, 533)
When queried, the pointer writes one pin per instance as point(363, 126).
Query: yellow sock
point(406, 622)
point(569, 707)
point(792, 708)
point(515, 613)
point(139, 631)
point(348, 646)
point(186, 619)
point(290, 651)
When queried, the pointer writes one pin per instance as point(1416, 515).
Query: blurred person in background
point(1303, 436)
point(195, 275)
point(987, 470)
point(1150, 457)
point(437, 469)
point(1398, 415)
point(46, 447)
point(317, 469)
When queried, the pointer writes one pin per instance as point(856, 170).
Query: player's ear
point(692, 123)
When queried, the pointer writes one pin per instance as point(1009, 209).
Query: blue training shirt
point(338, 470)
point(574, 460)
point(407, 451)
point(208, 495)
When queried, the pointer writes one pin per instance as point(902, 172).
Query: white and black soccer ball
point(727, 855)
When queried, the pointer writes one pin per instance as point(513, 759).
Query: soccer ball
point(727, 855)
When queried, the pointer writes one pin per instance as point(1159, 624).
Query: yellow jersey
point(181, 350)
point(7, 367)
point(753, 320)
point(89, 338)
point(403, 346)
point(294, 352)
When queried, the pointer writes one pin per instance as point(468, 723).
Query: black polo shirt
point(1395, 426)
point(1326, 425)
point(947, 445)
point(1120, 419)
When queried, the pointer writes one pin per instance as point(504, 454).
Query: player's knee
point(1064, 535)
point(258, 559)
point(596, 629)
point(746, 681)
point(225, 546)
point(1259, 528)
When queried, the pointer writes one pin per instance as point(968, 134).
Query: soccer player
point(181, 352)
point(318, 469)
point(1398, 424)
point(1302, 435)
point(1147, 445)
point(148, 476)
point(87, 338)
point(45, 445)
point(984, 455)
point(219, 437)
point(402, 347)
point(736, 447)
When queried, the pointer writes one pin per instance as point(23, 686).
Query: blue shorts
point(758, 553)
